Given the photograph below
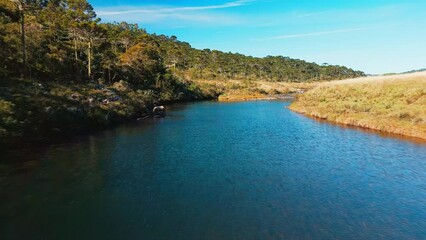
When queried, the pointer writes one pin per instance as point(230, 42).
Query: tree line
point(63, 41)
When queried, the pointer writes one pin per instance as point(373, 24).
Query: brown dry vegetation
point(242, 90)
point(395, 104)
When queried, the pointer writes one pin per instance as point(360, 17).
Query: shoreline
point(353, 124)
point(391, 104)
point(42, 113)
point(256, 98)
point(50, 103)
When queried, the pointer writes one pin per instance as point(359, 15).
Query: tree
point(142, 63)
point(55, 48)
point(20, 6)
point(83, 29)
point(91, 34)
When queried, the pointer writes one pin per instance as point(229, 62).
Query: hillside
point(64, 41)
point(62, 71)
point(415, 71)
point(191, 63)
point(394, 104)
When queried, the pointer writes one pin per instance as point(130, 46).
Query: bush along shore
point(394, 104)
point(40, 112)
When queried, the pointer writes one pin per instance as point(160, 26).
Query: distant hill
point(407, 72)
point(193, 63)
point(414, 71)
point(65, 41)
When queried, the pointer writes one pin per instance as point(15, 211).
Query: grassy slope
point(395, 104)
point(241, 90)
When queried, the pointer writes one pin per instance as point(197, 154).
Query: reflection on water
point(251, 170)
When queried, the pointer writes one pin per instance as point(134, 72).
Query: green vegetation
point(240, 90)
point(392, 104)
point(193, 64)
point(62, 71)
point(36, 111)
point(64, 41)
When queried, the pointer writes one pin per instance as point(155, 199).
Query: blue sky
point(375, 36)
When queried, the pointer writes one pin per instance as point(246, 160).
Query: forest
point(63, 40)
point(63, 70)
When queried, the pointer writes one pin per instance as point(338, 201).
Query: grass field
point(395, 104)
point(242, 90)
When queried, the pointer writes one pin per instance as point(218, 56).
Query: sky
point(374, 36)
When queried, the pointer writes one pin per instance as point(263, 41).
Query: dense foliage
point(212, 64)
point(63, 71)
point(63, 40)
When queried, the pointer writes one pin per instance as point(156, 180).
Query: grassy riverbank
point(244, 90)
point(394, 104)
point(32, 111)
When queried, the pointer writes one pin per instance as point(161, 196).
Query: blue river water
point(245, 170)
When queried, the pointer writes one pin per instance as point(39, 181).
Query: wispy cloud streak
point(312, 34)
point(312, 14)
point(165, 10)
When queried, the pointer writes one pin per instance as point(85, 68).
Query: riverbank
point(394, 104)
point(33, 112)
point(247, 90)
point(44, 111)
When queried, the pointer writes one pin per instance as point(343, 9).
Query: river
point(246, 170)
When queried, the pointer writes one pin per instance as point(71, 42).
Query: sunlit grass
point(240, 90)
point(395, 104)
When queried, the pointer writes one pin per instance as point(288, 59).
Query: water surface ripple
point(251, 170)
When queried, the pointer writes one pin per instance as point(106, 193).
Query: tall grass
point(241, 90)
point(396, 105)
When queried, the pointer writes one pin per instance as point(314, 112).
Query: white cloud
point(301, 35)
point(169, 10)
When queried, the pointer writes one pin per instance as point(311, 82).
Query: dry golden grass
point(395, 104)
point(242, 90)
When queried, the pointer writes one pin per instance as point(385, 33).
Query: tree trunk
point(89, 60)
point(23, 42)
point(77, 67)
point(75, 51)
